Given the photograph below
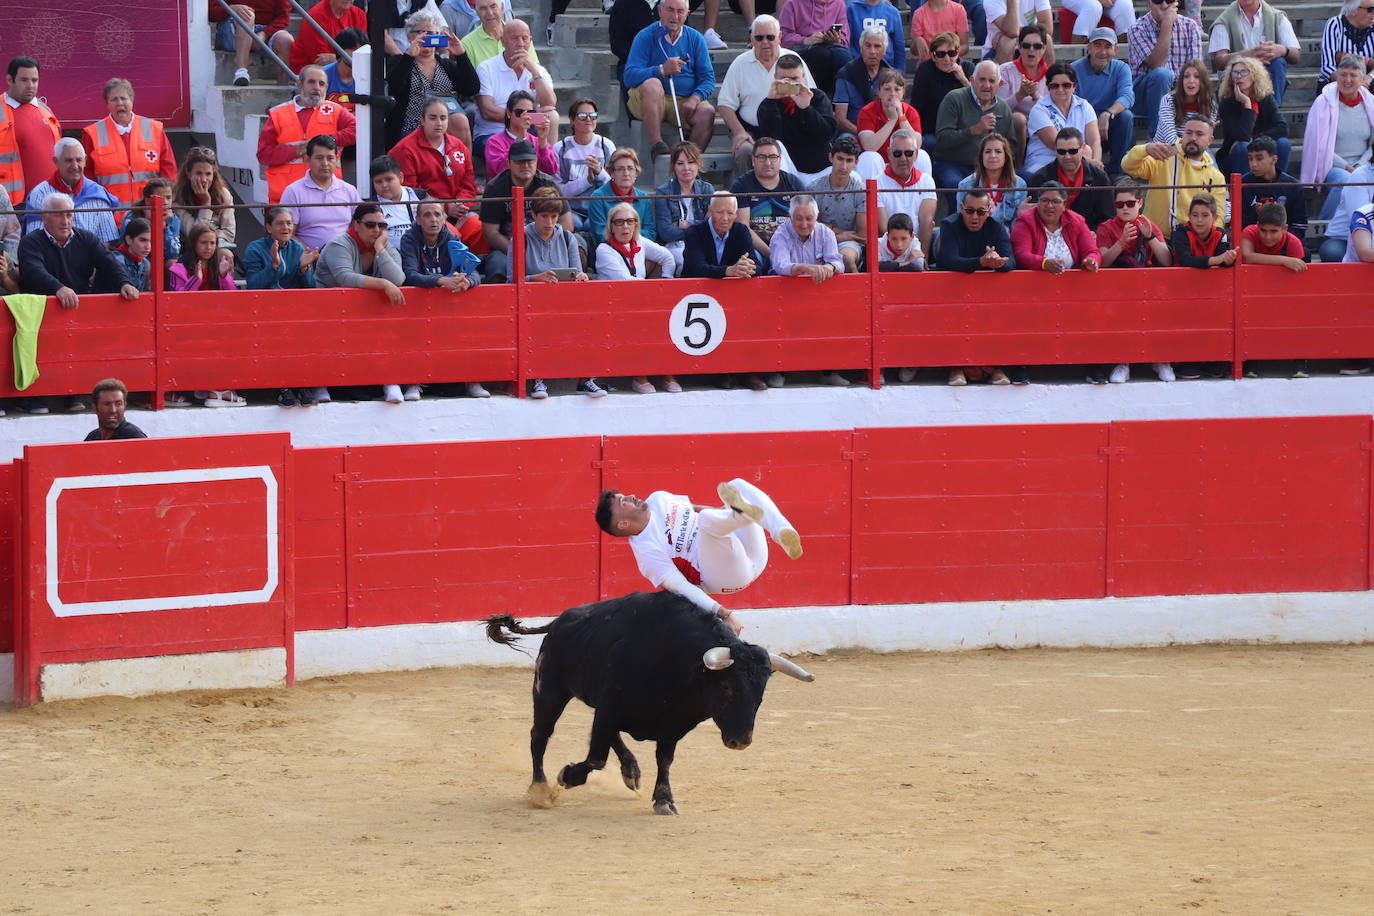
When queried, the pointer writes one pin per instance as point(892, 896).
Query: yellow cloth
point(28, 318)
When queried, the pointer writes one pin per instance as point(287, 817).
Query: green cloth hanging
point(28, 318)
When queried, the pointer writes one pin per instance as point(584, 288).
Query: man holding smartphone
point(667, 59)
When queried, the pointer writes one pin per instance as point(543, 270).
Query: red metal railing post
point(159, 284)
point(517, 276)
point(875, 371)
point(1237, 363)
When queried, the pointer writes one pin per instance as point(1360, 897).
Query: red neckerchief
point(915, 176)
point(995, 195)
point(627, 252)
point(357, 239)
point(1353, 102)
point(789, 106)
point(1068, 182)
point(57, 182)
point(628, 198)
point(897, 255)
point(1204, 249)
point(124, 249)
point(1020, 68)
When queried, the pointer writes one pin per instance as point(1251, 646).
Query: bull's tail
point(496, 623)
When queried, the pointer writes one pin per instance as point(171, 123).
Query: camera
point(434, 41)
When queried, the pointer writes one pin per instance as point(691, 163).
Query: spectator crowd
point(994, 156)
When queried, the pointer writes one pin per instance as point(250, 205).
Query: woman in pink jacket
point(1053, 238)
point(1336, 140)
point(818, 30)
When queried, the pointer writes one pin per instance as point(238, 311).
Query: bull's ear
point(718, 658)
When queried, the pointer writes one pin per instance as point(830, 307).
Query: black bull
point(652, 665)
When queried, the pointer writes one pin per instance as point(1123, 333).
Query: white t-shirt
point(1045, 113)
point(669, 540)
point(400, 215)
point(496, 79)
point(1251, 33)
point(996, 9)
point(894, 198)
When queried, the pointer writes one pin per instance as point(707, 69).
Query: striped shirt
point(1185, 45)
point(1336, 44)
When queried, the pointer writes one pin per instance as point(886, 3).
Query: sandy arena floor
point(1227, 780)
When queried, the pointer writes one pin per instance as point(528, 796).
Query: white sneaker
point(1165, 371)
point(412, 392)
point(538, 390)
point(1121, 372)
point(714, 42)
point(475, 390)
point(834, 378)
point(242, 77)
point(906, 374)
point(322, 396)
point(392, 394)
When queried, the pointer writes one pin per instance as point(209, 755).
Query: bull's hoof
point(541, 795)
point(630, 773)
point(572, 775)
point(665, 807)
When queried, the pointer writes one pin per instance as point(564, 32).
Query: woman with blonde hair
point(1248, 109)
point(626, 255)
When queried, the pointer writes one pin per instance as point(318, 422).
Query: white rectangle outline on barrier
point(166, 603)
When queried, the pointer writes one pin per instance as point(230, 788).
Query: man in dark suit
point(718, 247)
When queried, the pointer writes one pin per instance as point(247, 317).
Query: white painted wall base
point(131, 677)
point(1296, 617)
point(799, 407)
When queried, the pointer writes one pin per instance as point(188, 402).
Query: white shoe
point(475, 390)
point(714, 42)
point(538, 390)
point(834, 378)
point(242, 77)
point(1165, 371)
point(774, 380)
point(322, 396)
point(906, 374)
point(731, 496)
point(392, 394)
point(412, 393)
point(643, 386)
point(1121, 372)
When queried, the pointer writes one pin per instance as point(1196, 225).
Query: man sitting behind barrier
point(719, 247)
point(1264, 183)
point(111, 397)
point(963, 119)
point(278, 260)
point(1186, 166)
point(846, 214)
point(316, 226)
point(67, 262)
point(903, 188)
point(496, 213)
point(802, 119)
point(70, 178)
point(856, 83)
point(764, 214)
point(805, 247)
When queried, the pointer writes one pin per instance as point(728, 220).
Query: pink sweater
point(184, 283)
point(1319, 137)
point(802, 18)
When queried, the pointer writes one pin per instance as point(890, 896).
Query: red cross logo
point(150, 155)
point(326, 108)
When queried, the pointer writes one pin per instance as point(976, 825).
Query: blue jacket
point(258, 272)
point(884, 14)
point(425, 266)
point(651, 48)
point(1101, 90)
point(604, 198)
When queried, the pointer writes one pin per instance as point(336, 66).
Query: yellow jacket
point(1169, 208)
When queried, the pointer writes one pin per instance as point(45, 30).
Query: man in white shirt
point(747, 83)
point(512, 69)
point(904, 188)
point(695, 550)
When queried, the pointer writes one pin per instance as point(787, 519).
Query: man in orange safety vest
point(125, 151)
point(28, 130)
point(281, 144)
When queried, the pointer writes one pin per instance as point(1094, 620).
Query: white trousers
point(1089, 13)
point(733, 551)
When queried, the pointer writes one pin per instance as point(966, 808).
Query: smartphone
point(538, 118)
point(565, 274)
point(788, 89)
point(837, 27)
point(434, 40)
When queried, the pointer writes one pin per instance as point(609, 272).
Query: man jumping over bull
point(696, 551)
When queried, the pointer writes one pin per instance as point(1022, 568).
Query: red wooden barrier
point(9, 551)
point(1322, 312)
point(461, 530)
point(105, 336)
point(1032, 318)
point(806, 474)
point(273, 339)
point(675, 326)
point(153, 548)
point(975, 513)
point(321, 546)
point(1229, 506)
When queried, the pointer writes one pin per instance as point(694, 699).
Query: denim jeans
point(948, 175)
point(1149, 89)
point(1278, 75)
point(1120, 138)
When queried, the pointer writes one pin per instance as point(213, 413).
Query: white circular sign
point(697, 325)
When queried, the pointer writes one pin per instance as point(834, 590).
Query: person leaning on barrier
point(1268, 241)
point(899, 252)
point(718, 247)
point(1052, 238)
point(125, 150)
point(134, 251)
point(626, 255)
point(316, 226)
point(496, 207)
point(66, 262)
point(362, 257)
point(110, 398)
point(290, 125)
point(971, 240)
point(804, 246)
point(1201, 243)
point(846, 214)
point(1071, 169)
point(552, 255)
point(1129, 239)
point(433, 257)
point(278, 260)
point(1187, 167)
point(93, 203)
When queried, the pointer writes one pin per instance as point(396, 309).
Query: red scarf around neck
point(1076, 182)
point(789, 106)
point(627, 252)
point(1353, 102)
point(1025, 74)
point(60, 185)
point(628, 198)
point(124, 248)
point(995, 195)
point(915, 176)
point(1205, 249)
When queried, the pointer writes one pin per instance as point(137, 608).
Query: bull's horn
point(789, 668)
point(717, 658)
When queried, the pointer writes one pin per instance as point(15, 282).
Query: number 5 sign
point(697, 325)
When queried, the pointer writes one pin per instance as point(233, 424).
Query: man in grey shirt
point(846, 214)
point(965, 116)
